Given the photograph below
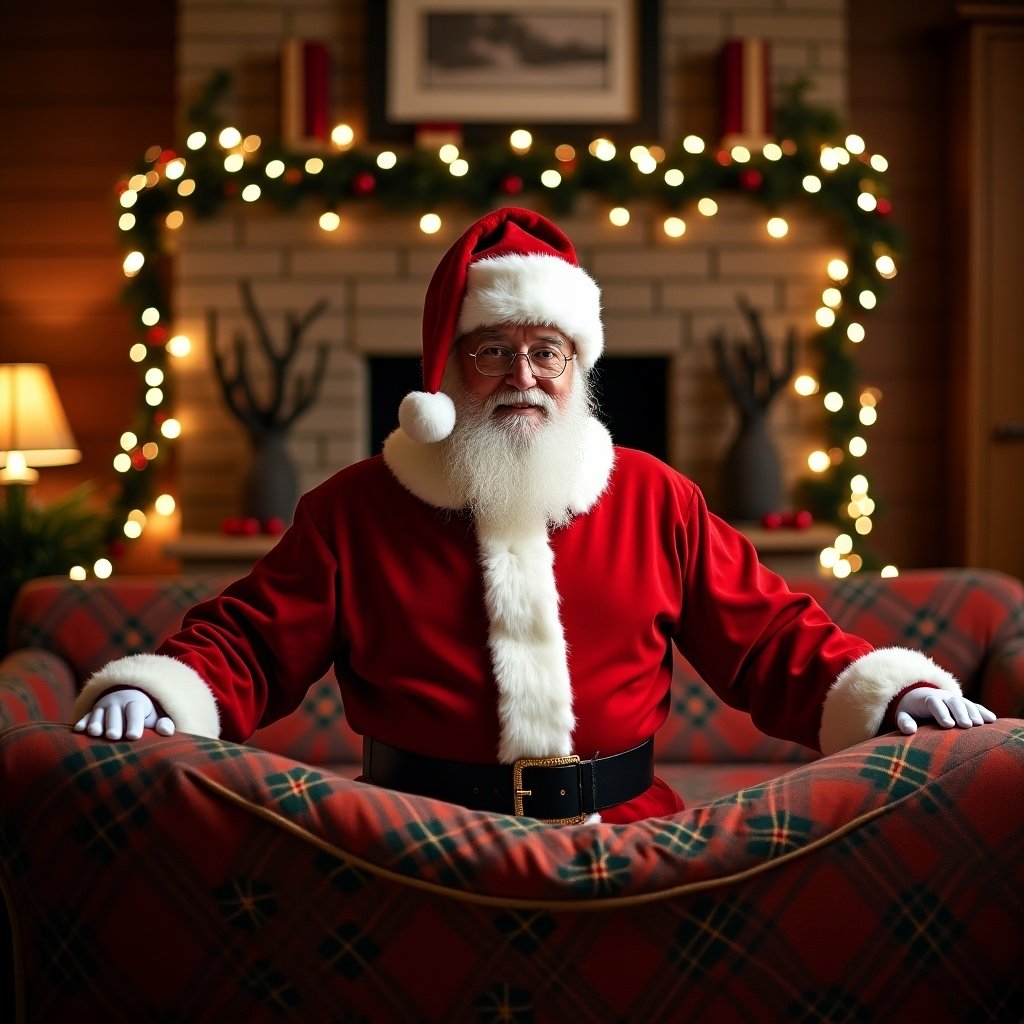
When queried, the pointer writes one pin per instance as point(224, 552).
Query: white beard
point(513, 470)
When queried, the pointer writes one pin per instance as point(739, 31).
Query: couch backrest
point(89, 623)
point(957, 616)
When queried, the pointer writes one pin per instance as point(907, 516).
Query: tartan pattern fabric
point(37, 686)
point(448, 914)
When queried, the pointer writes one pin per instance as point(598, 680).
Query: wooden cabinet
point(986, 491)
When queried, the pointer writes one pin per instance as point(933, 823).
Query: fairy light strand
point(218, 165)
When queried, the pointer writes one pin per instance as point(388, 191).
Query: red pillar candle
point(305, 93)
point(746, 93)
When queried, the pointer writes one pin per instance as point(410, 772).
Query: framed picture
point(568, 66)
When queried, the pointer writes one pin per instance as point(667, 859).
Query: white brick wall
point(663, 296)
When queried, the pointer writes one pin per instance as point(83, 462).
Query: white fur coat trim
point(419, 468)
point(856, 702)
point(180, 690)
point(527, 644)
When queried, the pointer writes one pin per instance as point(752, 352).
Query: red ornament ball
point(363, 183)
point(751, 179)
point(883, 207)
point(250, 526)
point(273, 526)
point(231, 525)
point(512, 185)
point(724, 157)
point(156, 335)
point(139, 461)
point(771, 520)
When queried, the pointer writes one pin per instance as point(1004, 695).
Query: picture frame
point(575, 68)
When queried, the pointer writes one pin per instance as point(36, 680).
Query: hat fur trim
point(535, 289)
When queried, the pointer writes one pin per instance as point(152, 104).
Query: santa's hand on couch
point(948, 709)
point(124, 714)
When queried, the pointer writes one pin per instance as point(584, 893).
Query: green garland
point(496, 175)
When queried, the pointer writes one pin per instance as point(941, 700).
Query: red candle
point(305, 93)
point(746, 92)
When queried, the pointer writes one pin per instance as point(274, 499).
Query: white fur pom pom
point(427, 417)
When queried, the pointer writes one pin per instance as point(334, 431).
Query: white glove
point(923, 704)
point(123, 714)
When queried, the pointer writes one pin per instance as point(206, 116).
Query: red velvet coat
point(388, 590)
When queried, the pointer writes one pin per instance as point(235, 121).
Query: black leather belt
point(562, 790)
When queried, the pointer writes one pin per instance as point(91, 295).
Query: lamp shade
point(33, 428)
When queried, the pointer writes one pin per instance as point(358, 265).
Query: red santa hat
point(512, 266)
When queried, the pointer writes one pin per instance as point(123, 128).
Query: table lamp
point(33, 428)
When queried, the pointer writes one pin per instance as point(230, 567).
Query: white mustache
point(532, 396)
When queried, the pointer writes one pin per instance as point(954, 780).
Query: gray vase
point(751, 477)
point(271, 488)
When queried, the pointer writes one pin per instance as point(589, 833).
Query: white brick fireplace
point(663, 297)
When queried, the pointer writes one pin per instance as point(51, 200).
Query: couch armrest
point(35, 686)
point(1002, 683)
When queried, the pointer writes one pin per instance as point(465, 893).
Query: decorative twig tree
point(271, 487)
point(751, 483)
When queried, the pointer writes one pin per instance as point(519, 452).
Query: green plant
point(43, 540)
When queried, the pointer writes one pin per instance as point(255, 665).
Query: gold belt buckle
point(540, 762)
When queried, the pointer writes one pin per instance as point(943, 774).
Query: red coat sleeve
point(262, 643)
point(760, 646)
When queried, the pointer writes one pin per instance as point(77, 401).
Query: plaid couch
point(189, 879)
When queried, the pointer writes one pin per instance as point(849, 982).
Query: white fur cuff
point(180, 690)
point(856, 703)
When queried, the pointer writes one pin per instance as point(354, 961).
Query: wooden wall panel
point(899, 58)
point(85, 87)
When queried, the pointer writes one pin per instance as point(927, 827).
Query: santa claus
point(499, 590)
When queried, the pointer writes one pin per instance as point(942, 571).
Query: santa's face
point(518, 400)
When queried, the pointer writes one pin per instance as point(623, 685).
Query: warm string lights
point(806, 164)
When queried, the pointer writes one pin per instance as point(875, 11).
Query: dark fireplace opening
point(632, 395)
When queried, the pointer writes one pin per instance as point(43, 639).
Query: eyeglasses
point(497, 360)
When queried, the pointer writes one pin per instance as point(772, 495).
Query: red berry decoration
point(512, 185)
point(751, 179)
point(802, 519)
point(273, 526)
point(231, 525)
point(250, 526)
point(771, 520)
point(363, 183)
